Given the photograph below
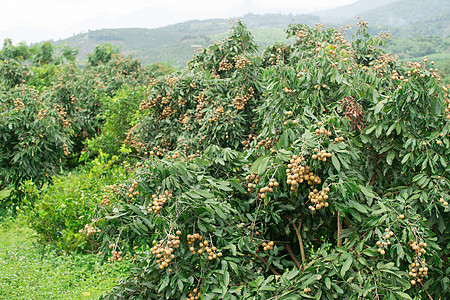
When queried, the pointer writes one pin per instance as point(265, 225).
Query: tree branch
point(292, 255)
point(300, 240)
point(267, 265)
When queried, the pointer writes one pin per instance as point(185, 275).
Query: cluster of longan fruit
point(172, 80)
point(417, 270)
point(163, 250)
point(306, 290)
point(268, 189)
point(251, 180)
point(447, 108)
point(240, 101)
point(132, 190)
point(338, 140)
point(158, 151)
point(265, 143)
point(18, 104)
point(175, 155)
point(322, 130)
point(288, 113)
point(242, 62)
point(63, 115)
point(318, 199)
point(268, 246)
point(194, 295)
point(385, 242)
point(159, 201)
point(203, 246)
point(66, 150)
point(90, 230)
point(297, 173)
point(321, 155)
point(247, 142)
point(41, 114)
point(445, 203)
point(225, 65)
point(128, 168)
point(115, 187)
point(419, 248)
point(105, 200)
point(396, 76)
point(288, 90)
point(116, 255)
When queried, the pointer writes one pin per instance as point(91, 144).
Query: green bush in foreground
point(61, 210)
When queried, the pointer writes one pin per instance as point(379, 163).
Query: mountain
point(177, 43)
point(343, 13)
point(406, 19)
point(406, 12)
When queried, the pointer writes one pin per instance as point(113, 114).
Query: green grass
point(28, 273)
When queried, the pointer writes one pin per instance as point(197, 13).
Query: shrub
point(61, 210)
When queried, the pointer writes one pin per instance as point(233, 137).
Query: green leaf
point(328, 282)
point(335, 162)
point(180, 285)
point(291, 297)
point(404, 295)
point(263, 165)
point(234, 266)
point(256, 163)
point(379, 106)
point(346, 266)
point(164, 284)
point(361, 208)
point(226, 278)
point(406, 157)
point(268, 288)
point(390, 157)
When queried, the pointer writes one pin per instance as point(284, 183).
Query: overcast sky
point(62, 18)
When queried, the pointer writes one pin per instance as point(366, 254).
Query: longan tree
point(315, 170)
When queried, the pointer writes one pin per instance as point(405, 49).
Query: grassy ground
point(27, 273)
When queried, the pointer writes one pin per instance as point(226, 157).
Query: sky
point(35, 20)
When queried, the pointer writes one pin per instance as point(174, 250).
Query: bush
point(61, 210)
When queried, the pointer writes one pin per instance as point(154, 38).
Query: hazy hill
point(176, 43)
point(406, 12)
point(343, 13)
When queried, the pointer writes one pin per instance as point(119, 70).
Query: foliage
point(342, 148)
point(61, 210)
point(102, 54)
point(13, 73)
point(317, 169)
point(48, 112)
point(33, 136)
point(117, 113)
